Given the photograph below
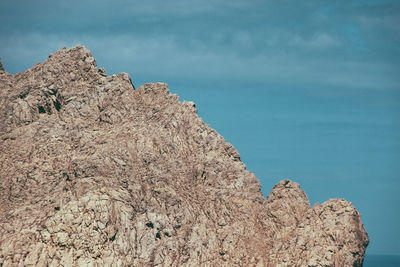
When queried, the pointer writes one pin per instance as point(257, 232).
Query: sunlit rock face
point(97, 173)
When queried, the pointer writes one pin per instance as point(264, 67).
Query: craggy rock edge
point(96, 172)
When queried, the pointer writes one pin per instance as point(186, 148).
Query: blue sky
point(304, 90)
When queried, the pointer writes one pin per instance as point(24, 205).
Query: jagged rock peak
point(330, 234)
point(96, 172)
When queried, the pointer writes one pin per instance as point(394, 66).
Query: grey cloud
point(166, 57)
point(289, 42)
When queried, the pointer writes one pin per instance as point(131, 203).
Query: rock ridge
point(96, 172)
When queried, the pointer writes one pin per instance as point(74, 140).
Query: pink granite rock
point(96, 172)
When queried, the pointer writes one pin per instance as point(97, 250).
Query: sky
point(305, 90)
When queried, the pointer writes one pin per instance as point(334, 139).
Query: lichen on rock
point(96, 172)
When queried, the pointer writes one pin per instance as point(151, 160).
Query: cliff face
point(96, 172)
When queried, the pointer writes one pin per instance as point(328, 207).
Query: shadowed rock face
point(94, 171)
point(1, 66)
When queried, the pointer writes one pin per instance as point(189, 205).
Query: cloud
point(319, 41)
point(166, 58)
point(288, 43)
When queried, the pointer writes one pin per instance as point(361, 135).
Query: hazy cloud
point(319, 41)
point(286, 42)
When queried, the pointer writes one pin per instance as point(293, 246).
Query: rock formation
point(97, 173)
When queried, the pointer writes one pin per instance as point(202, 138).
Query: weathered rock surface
point(97, 173)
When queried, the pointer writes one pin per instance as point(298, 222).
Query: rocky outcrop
point(330, 234)
point(96, 172)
